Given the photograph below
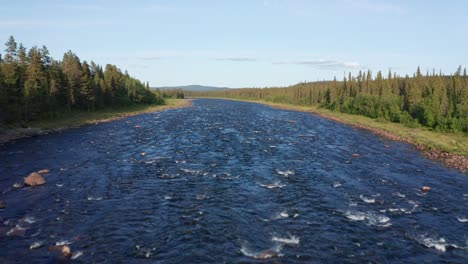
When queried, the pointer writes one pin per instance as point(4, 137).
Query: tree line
point(432, 99)
point(33, 85)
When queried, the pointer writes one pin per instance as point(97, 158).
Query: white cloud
point(327, 64)
point(377, 6)
point(237, 59)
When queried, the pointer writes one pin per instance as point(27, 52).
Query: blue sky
point(246, 43)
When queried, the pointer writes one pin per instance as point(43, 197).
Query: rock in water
point(143, 154)
point(356, 155)
point(63, 250)
point(34, 179)
point(425, 188)
point(2, 205)
point(44, 171)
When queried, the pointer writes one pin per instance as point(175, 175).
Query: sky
point(246, 43)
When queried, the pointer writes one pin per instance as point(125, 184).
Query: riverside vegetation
point(36, 89)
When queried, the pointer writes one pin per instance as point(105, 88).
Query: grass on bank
point(77, 118)
point(455, 143)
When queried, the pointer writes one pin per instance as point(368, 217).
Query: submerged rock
point(267, 254)
point(2, 205)
point(34, 179)
point(44, 171)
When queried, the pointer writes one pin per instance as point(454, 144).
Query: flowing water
point(229, 182)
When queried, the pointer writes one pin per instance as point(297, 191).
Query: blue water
point(228, 182)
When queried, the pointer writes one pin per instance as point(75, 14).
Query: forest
point(34, 85)
point(433, 99)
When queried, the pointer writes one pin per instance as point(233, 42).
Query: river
point(229, 182)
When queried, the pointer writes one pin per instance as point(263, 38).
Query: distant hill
point(193, 88)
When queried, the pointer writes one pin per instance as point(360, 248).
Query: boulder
point(34, 179)
point(62, 251)
point(425, 188)
point(2, 205)
point(44, 171)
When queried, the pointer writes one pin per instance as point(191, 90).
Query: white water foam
point(92, 198)
point(462, 219)
point(63, 242)
point(370, 218)
point(292, 240)
point(337, 184)
point(286, 173)
point(77, 254)
point(29, 219)
point(439, 244)
point(274, 185)
point(366, 199)
point(36, 244)
point(265, 254)
point(190, 171)
point(399, 194)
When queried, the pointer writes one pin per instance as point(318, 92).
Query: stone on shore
point(34, 179)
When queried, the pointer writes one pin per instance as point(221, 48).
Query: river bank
point(448, 148)
point(77, 119)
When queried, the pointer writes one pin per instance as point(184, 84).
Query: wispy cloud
point(150, 58)
point(326, 64)
point(83, 7)
point(41, 23)
point(21, 23)
point(237, 59)
point(138, 66)
point(377, 6)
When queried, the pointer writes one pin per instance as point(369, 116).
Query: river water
point(229, 182)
